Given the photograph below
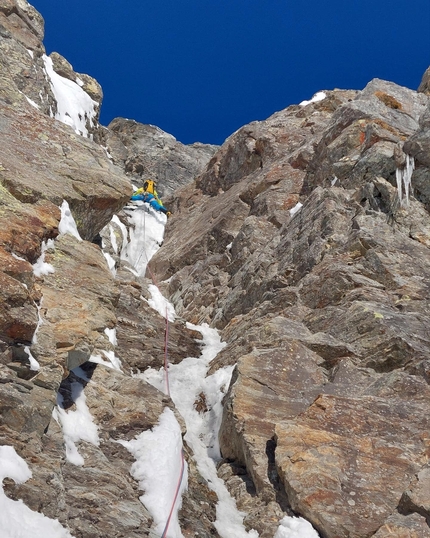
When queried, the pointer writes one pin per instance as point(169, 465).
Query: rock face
point(306, 244)
point(325, 308)
point(145, 151)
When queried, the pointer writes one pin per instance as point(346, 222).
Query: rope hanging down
point(166, 362)
point(181, 476)
point(166, 376)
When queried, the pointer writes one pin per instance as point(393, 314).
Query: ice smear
point(146, 235)
point(188, 383)
point(160, 304)
point(31, 102)
point(39, 320)
point(124, 233)
point(112, 360)
point(111, 334)
point(111, 263)
point(113, 238)
point(34, 365)
point(403, 179)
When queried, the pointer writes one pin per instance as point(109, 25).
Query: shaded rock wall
point(145, 151)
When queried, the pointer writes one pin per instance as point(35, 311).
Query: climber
point(148, 194)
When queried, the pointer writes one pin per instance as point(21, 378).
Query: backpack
point(149, 186)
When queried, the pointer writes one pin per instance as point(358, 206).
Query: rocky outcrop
point(79, 170)
point(147, 151)
point(337, 459)
point(25, 71)
point(424, 86)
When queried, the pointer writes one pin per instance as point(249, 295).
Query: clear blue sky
point(200, 69)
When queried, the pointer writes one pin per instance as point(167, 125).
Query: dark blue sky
point(200, 69)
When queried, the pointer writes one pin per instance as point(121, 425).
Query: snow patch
point(319, 96)
point(295, 527)
point(158, 466)
point(74, 106)
point(41, 267)
point(67, 223)
point(77, 425)
point(16, 519)
point(296, 209)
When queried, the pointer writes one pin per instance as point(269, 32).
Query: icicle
point(399, 184)
point(407, 175)
point(124, 232)
point(403, 179)
point(34, 365)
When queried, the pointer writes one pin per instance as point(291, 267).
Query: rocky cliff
point(304, 240)
point(308, 247)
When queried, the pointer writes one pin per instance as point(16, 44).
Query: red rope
point(178, 487)
point(166, 342)
point(166, 370)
